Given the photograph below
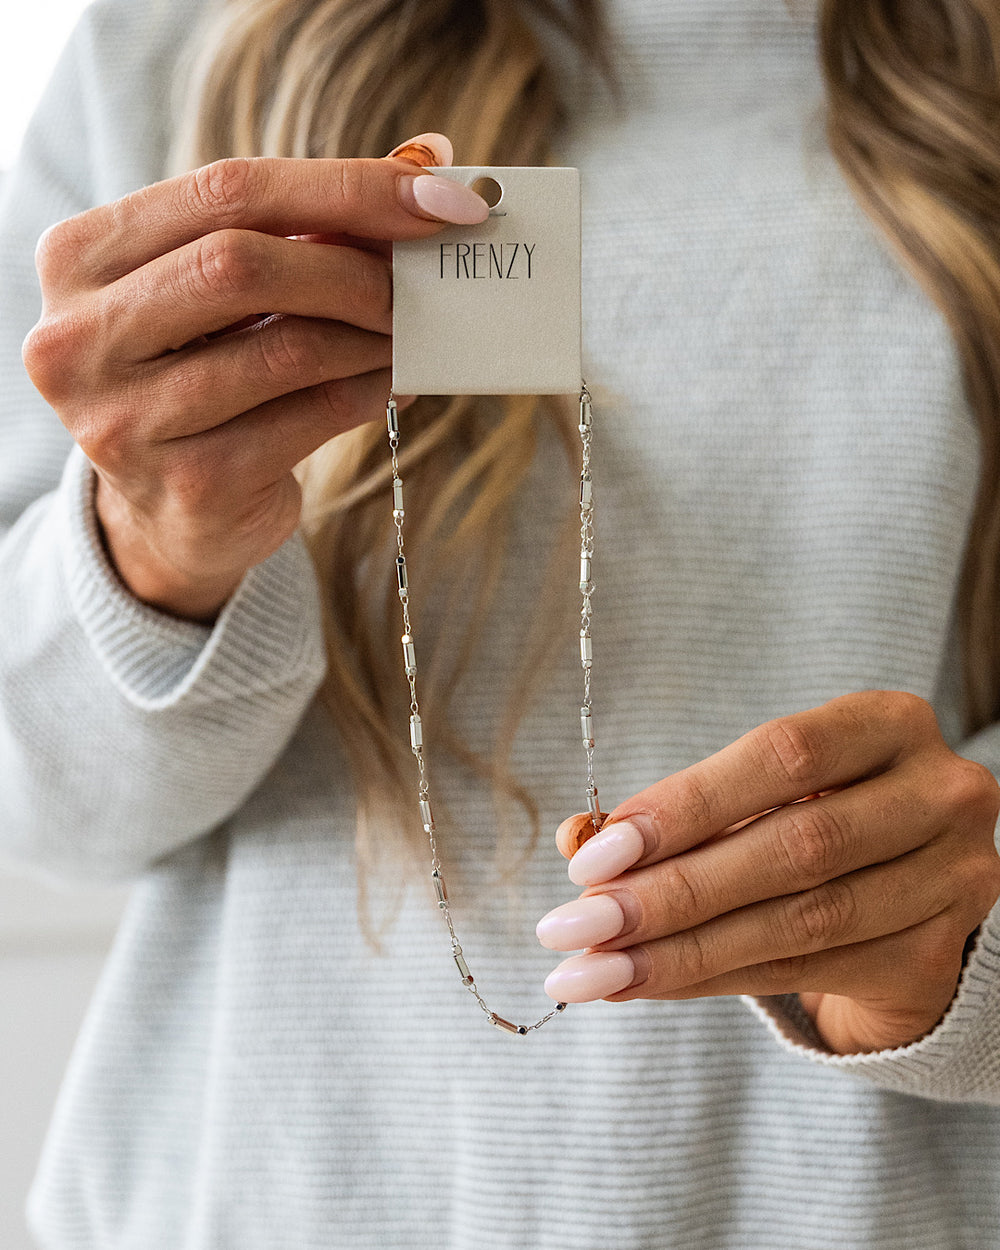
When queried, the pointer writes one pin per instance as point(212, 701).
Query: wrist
point(148, 574)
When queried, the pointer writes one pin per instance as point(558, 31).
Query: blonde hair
point(914, 101)
point(913, 96)
point(345, 78)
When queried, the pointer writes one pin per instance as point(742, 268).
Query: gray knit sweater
point(786, 466)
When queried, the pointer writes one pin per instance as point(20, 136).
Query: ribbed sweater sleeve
point(124, 733)
point(958, 1061)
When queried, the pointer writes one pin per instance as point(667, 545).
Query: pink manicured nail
point(584, 922)
point(442, 198)
point(584, 978)
point(609, 853)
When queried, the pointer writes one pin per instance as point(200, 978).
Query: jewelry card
point(494, 308)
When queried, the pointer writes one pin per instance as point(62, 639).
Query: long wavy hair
point(913, 116)
point(913, 90)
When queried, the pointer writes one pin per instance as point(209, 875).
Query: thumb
point(425, 150)
point(436, 199)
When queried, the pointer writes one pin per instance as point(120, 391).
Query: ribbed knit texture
point(785, 472)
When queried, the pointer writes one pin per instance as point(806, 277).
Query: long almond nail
point(425, 150)
point(614, 849)
point(584, 978)
point(442, 199)
point(584, 922)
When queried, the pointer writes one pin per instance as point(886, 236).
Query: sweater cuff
point(958, 1061)
point(268, 635)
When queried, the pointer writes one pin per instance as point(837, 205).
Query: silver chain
point(410, 668)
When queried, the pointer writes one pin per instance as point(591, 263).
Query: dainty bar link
point(586, 428)
point(508, 1026)
point(416, 724)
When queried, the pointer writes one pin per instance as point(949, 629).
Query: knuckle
point(43, 352)
point(969, 787)
point(336, 406)
point(908, 709)
point(978, 883)
point(184, 390)
point(285, 354)
point(107, 435)
point(690, 958)
point(911, 717)
point(937, 948)
point(794, 750)
point(224, 189)
point(227, 263)
point(693, 801)
point(96, 438)
point(821, 917)
point(812, 841)
point(783, 976)
point(59, 248)
point(55, 351)
point(681, 898)
point(353, 181)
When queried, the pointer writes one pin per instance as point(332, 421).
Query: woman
point(786, 454)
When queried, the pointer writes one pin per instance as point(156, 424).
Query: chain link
point(416, 724)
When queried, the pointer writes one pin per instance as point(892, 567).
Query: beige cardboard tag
point(493, 309)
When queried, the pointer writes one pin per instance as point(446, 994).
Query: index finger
point(778, 763)
point(275, 195)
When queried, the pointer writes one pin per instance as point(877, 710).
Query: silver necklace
point(410, 668)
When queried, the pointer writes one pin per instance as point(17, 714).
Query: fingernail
point(442, 199)
point(584, 978)
point(425, 150)
point(614, 849)
point(572, 833)
point(584, 922)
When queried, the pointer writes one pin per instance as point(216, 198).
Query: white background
point(32, 33)
point(52, 941)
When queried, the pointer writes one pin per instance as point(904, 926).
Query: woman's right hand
point(193, 405)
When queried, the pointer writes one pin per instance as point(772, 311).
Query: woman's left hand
point(844, 853)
